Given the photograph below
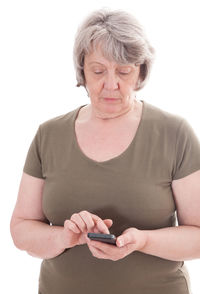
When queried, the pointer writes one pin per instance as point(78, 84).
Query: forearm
point(38, 238)
point(173, 243)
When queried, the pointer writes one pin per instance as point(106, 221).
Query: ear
point(86, 89)
point(137, 85)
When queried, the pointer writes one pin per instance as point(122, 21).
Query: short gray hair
point(123, 39)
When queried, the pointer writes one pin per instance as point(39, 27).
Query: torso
point(101, 144)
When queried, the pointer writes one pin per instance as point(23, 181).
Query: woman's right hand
point(80, 224)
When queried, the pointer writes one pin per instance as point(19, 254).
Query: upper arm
point(29, 201)
point(187, 198)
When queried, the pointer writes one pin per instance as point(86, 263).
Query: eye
point(124, 73)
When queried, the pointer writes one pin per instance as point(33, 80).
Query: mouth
point(111, 99)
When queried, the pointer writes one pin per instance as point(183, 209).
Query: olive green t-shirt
point(133, 189)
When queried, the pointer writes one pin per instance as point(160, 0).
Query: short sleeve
point(33, 163)
point(187, 151)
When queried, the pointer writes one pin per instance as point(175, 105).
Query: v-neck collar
point(113, 158)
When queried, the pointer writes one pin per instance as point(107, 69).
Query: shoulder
point(58, 123)
point(162, 119)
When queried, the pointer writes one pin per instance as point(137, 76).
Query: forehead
point(96, 57)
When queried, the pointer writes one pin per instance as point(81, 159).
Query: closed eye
point(121, 73)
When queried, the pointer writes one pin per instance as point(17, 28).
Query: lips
point(108, 98)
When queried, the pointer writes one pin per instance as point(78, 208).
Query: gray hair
point(123, 39)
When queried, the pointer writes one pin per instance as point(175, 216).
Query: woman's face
point(106, 79)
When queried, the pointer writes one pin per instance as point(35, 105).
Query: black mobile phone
point(106, 238)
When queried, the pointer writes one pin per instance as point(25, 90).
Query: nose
point(111, 81)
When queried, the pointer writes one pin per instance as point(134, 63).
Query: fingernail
point(121, 243)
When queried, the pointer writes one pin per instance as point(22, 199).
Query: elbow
point(15, 234)
point(12, 232)
point(33, 254)
point(14, 238)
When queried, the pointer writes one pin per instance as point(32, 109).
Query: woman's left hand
point(132, 238)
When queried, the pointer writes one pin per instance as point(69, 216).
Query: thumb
point(124, 239)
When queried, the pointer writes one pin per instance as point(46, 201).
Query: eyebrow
point(122, 65)
point(96, 62)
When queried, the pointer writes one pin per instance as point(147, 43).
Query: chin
point(111, 105)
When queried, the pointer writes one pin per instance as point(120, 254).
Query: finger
point(95, 252)
point(109, 249)
point(108, 222)
point(77, 219)
point(100, 224)
point(71, 226)
point(87, 218)
point(124, 239)
point(96, 230)
point(102, 227)
point(96, 249)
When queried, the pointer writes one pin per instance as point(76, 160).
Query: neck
point(90, 114)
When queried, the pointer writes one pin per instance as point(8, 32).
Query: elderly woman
point(117, 165)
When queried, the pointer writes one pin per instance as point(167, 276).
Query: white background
point(37, 82)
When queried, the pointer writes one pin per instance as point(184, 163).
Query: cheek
point(95, 87)
point(127, 87)
point(130, 85)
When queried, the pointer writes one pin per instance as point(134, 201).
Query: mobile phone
point(106, 238)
